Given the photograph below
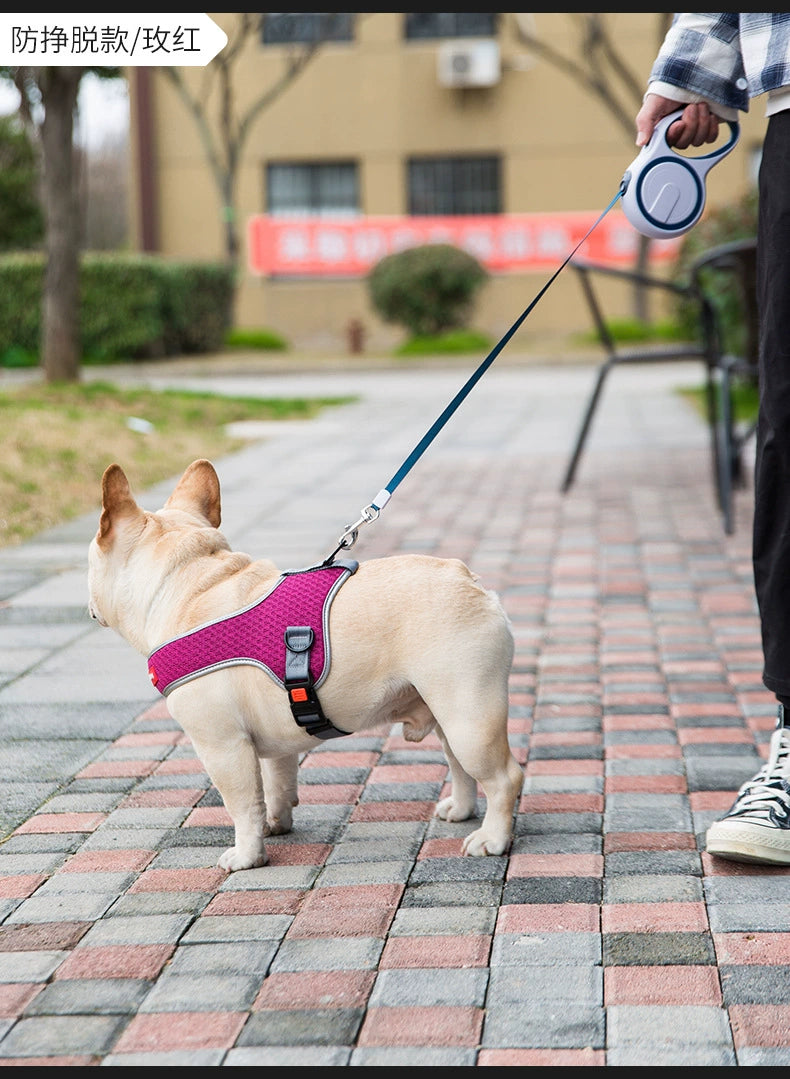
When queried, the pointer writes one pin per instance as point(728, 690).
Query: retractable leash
point(663, 196)
point(664, 192)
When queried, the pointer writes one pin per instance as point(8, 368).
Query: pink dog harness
point(285, 632)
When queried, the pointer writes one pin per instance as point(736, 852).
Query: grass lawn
point(57, 439)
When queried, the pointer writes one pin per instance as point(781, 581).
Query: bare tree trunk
point(60, 346)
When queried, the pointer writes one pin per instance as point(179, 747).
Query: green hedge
point(131, 306)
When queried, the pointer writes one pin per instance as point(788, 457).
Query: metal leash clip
point(349, 537)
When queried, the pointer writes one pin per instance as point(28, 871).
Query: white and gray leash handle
point(372, 511)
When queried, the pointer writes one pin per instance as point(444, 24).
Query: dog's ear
point(198, 492)
point(117, 500)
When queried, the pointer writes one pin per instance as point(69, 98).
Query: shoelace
point(760, 795)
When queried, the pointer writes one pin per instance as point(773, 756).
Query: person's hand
point(696, 126)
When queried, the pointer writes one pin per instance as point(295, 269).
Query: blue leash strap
point(371, 512)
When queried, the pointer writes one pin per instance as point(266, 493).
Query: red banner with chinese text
point(350, 247)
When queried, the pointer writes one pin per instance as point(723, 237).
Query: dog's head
point(134, 552)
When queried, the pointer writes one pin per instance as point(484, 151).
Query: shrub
point(255, 339)
point(428, 289)
point(735, 221)
point(451, 342)
point(131, 306)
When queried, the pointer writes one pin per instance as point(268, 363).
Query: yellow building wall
point(377, 100)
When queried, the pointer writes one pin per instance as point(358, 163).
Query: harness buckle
point(305, 706)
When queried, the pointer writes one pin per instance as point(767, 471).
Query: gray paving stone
point(341, 874)
point(24, 863)
point(271, 877)
point(228, 928)
point(653, 814)
point(749, 917)
point(373, 850)
point(339, 953)
point(651, 1055)
point(549, 1026)
point(29, 966)
point(760, 888)
point(332, 1027)
point(426, 987)
point(759, 1057)
point(545, 949)
point(401, 792)
point(668, 1027)
point(533, 984)
point(111, 838)
point(93, 720)
point(644, 767)
point(146, 904)
point(147, 818)
point(65, 883)
point(63, 907)
point(90, 996)
point(435, 870)
point(653, 888)
point(563, 784)
point(637, 863)
point(251, 957)
point(552, 890)
point(558, 843)
point(720, 773)
point(658, 949)
point(289, 1056)
point(84, 802)
point(154, 929)
point(755, 984)
point(443, 921)
point(550, 823)
point(60, 1035)
point(202, 992)
point(204, 1058)
point(424, 1057)
point(453, 893)
point(397, 831)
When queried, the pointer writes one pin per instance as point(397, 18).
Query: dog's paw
point(452, 809)
point(278, 825)
point(480, 843)
point(234, 859)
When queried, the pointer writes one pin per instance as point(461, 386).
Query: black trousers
point(771, 539)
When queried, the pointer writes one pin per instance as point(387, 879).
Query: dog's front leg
point(280, 791)
point(235, 772)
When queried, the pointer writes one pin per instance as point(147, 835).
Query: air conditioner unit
point(468, 63)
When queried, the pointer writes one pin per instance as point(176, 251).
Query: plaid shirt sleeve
point(726, 57)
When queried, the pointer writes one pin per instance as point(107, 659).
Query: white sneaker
point(757, 826)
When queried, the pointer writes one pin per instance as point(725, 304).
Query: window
point(432, 24)
point(310, 190)
point(306, 27)
point(454, 185)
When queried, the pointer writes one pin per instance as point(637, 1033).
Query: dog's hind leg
point(280, 791)
point(501, 787)
point(462, 802)
point(474, 729)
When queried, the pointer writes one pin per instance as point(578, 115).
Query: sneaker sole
point(747, 848)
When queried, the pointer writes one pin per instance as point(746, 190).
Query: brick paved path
point(604, 938)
